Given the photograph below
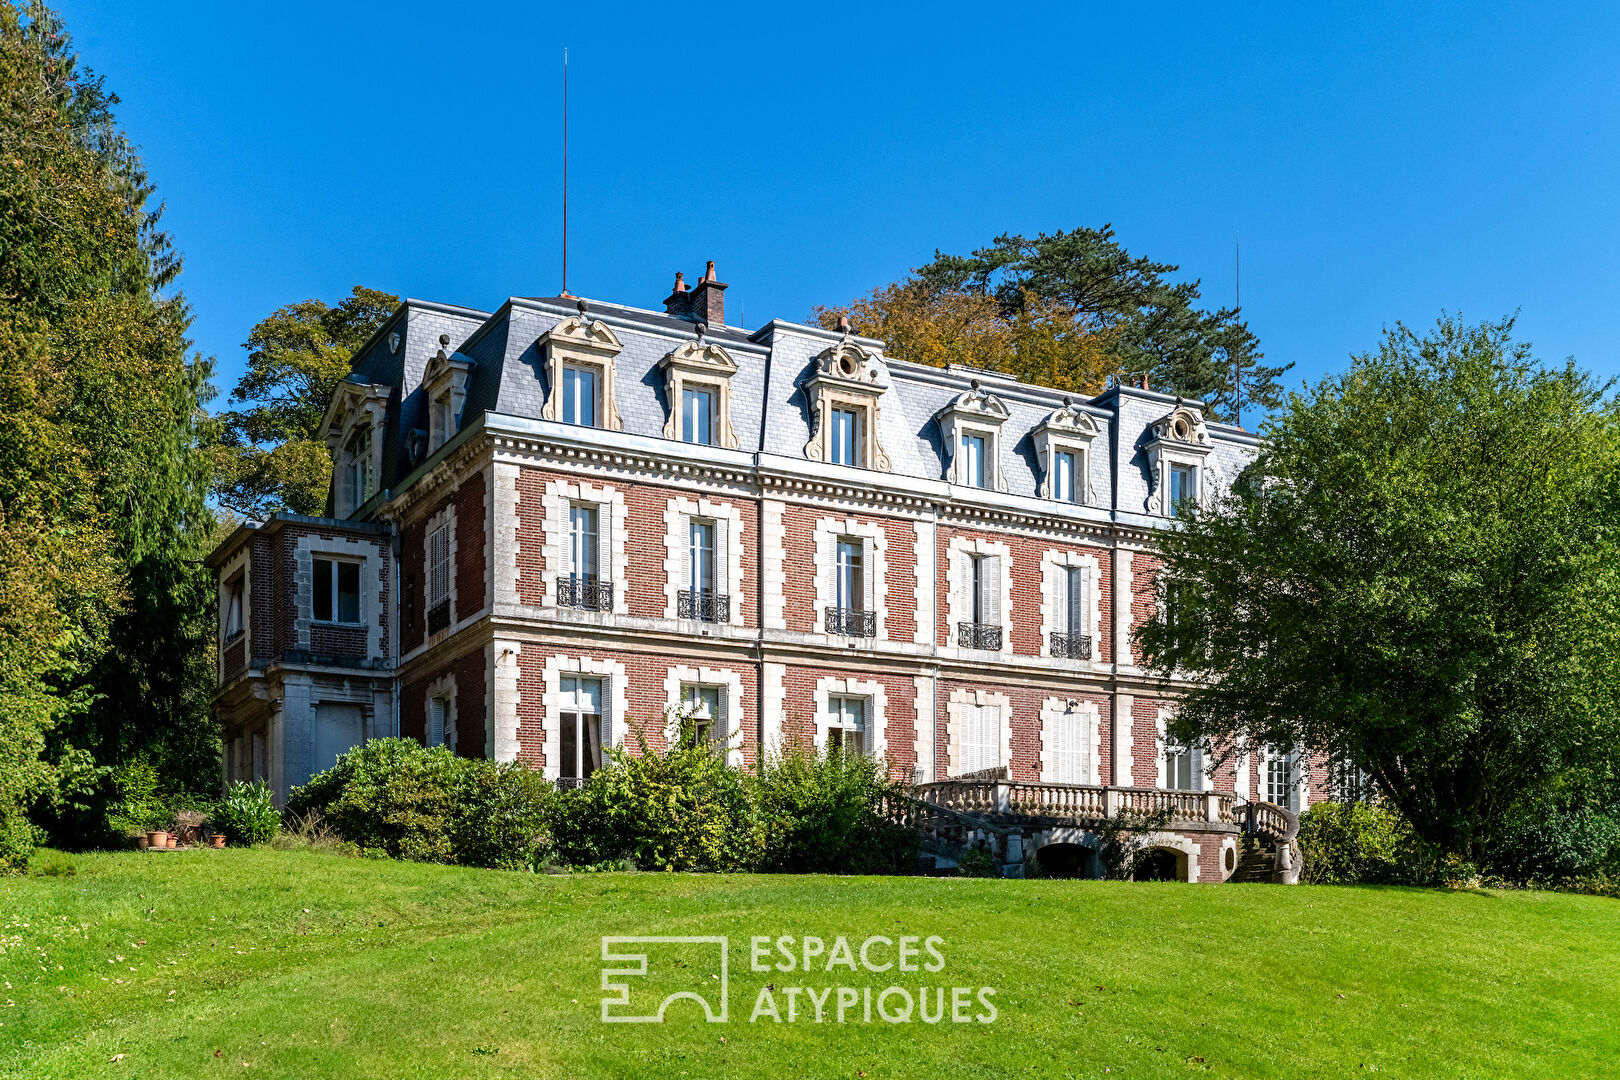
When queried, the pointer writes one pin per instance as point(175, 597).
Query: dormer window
point(844, 393)
point(1178, 462)
point(697, 416)
point(580, 359)
point(1063, 445)
point(445, 384)
point(352, 430)
point(697, 385)
point(1063, 476)
point(359, 462)
point(1183, 489)
point(971, 426)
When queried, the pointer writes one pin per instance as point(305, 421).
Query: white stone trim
point(927, 573)
point(614, 697)
point(1123, 654)
point(731, 686)
point(1055, 709)
point(874, 553)
point(876, 740)
point(443, 686)
point(775, 581)
point(611, 514)
point(372, 601)
point(958, 600)
point(1228, 844)
point(502, 697)
point(1055, 562)
point(1124, 722)
point(501, 565)
point(1159, 744)
point(729, 518)
point(1240, 779)
point(925, 728)
point(960, 697)
point(775, 709)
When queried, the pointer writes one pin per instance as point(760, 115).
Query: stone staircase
point(1257, 861)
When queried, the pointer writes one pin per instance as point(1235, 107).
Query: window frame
point(707, 727)
point(845, 438)
point(837, 712)
point(576, 720)
point(690, 393)
point(572, 372)
point(334, 592)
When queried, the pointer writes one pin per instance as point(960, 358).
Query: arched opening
point(1067, 861)
point(1162, 864)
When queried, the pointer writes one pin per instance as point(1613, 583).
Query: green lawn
point(293, 964)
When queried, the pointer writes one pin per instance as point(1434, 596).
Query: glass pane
point(702, 539)
point(568, 760)
point(1063, 490)
point(348, 590)
point(845, 437)
point(582, 540)
point(696, 412)
point(323, 590)
point(973, 459)
point(579, 396)
point(850, 585)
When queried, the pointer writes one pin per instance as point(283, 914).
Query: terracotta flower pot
point(142, 843)
point(174, 841)
point(218, 840)
point(158, 838)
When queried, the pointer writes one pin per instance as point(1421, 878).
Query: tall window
point(1075, 616)
point(973, 463)
point(851, 575)
point(579, 720)
point(438, 718)
point(846, 725)
point(981, 736)
point(701, 705)
point(702, 557)
point(1180, 768)
point(579, 396)
point(582, 549)
point(359, 478)
point(697, 415)
point(1064, 486)
point(846, 437)
point(337, 591)
point(1281, 781)
point(438, 578)
point(981, 574)
point(232, 623)
point(1183, 488)
point(1069, 756)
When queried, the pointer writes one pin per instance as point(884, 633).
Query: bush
point(1359, 843)
point(502, 817)
point(1549, 844)
point(976, 863)
point(136, 808)
point(246, 815)
point(826, 814)
point(683, 809)
point(395, 795)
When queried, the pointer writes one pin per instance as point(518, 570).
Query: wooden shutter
point(1075, 587)
point(720, 730)
point(722, 582)
point(992, 590)
point(435, 733)
point(684, 524)
point(604, 542)
point(868, 572)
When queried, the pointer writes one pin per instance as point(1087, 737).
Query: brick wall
point(1144, 732)
point(413, 585)
point(337, 640)
point(471, 588)
point(1144, 596)
point(899, 712)
point(471, 737)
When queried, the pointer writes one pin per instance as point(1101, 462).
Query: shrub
point(136, 807)
point(1549, 844)
point(1122, 841)
point(1359, 843)
point(826, 814)
point(502, 816)
point(395, 795)
point(682, 809)
point(51, 864)
point(976, 863)
point(246, 814)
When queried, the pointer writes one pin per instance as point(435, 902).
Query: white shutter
point(868, 572)
point(967, 717)
point(684, 524)
point(1060, 602)
point(720, 732)
point(435, 735)
point(604, 542)
point(722, 566)
point(992, 590)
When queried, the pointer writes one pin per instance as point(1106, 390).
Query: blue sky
point(1379, 162)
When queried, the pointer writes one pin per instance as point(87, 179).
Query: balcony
point(704, 605)
point(1071, 646)
point(570, 783)
point(972, 635)
point(586, 592)
point(438, 617)
point(851, 622)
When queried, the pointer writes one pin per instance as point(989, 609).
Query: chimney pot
point(679, 302)
point(708, 299)
point(843, 324)
point(708, 272)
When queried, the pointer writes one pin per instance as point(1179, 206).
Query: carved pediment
point(1182, 424)
point(1071, 421)
point(575, 332)
point(848, 362)
point(353, 402)
point(976, 404)
point(701, 358)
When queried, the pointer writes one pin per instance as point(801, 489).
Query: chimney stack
point(679, 301)
point(709, 299)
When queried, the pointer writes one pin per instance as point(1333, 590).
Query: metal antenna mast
point(565, 175)
point(1237, 358)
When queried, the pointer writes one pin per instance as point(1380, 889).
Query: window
point(980, 738)
point(1351, 784)
point(1181, 769)
point(846, 437)
point(1281, 786)
point(359, 468)
point(702, 557)
point(438, 719)
point(1075, 616)
point(579, 396)
point(701, 706)
point(232, 624)
point(438, 578)
point(1071, 634)
point(846, 725)
point(982, 630)
point(337, 591)
point(580, 727)
point(1183, 488)
point(973, 461)
point(582, 549)
point(851, 587)
point(983, 577)
point(1069, 756)
point(1064, 476)
point(697, 416)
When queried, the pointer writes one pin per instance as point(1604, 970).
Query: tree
point(1071, 310)
point(101, 508)
point(269, 457)
point(1419, 576)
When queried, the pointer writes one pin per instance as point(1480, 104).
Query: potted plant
point(217, 840)
point(188, 825)
point(158, 838)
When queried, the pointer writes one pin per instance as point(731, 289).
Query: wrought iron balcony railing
point(972, 635)
point(584, 591)
point(1071, 646)
point(438, 616)
point(569, 783)
point(851, 622)
point(704, 605)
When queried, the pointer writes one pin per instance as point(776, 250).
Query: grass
point(296, 964)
